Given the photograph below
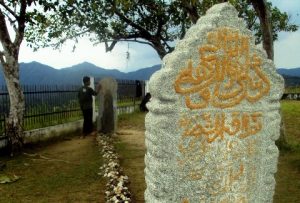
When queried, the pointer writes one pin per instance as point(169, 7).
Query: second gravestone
point(214, 117)
point(107, 114)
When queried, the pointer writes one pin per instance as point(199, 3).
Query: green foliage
point(287, 176)
point(154, 22)
point(292, 90)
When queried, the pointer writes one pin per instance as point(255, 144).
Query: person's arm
point(98, 88)
point(93, 92)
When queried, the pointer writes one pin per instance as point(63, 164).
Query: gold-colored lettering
point(185, 200)
point(212, 126)
point(226, 74)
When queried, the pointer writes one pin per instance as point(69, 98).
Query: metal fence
point(44, 106)
point(53, 105)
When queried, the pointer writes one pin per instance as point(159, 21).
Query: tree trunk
point(9, 60)
point(158, 46)
point(262, 11)
point(266, 28)
point(191, 9)
point(14, 123)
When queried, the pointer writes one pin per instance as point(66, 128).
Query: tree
point(157, 23)
point(262, 10)
point(14, 16)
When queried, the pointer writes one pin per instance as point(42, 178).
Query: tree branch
point(191, 10)
point(12, 22)
point(2, 58)
point(146, 34)
point(61, 41)
point(8, 9)
point(114, 42)
point(111, 46)
point(262, 11)
point(250, 25)
point(135, 40)
point(21, 24)
point(4, 34)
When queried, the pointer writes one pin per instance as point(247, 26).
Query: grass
point(292, 90)
point(132, 152)
point(71, 175)
point(65, 171)
point(40, 118)
point(290, 110)
point(128, 103)
point(287, 177)
point(133, 120)
point(50, 120)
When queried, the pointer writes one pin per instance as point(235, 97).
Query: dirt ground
point(66, 171)
point(63, 171)
point(130, 145)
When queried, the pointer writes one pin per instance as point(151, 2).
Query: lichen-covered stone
point(107, 113)
point(214, 117)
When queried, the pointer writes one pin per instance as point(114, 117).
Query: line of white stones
point(117, 184)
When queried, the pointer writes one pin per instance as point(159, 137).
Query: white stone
point(214, 117)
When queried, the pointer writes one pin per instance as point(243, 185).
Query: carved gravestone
point(214, 117)
point(107, 113)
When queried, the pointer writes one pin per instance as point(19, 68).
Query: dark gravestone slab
point(107, 112)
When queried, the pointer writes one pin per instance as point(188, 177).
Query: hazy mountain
point(142, 74)
point(291, 76)
point(295, 72)
point(291, 81)
point(37, 73)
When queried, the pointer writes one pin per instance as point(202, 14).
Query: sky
point(286, 50)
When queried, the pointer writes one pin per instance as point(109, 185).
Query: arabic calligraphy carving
point(215, 125)
point(231, 173)
point(226, 74)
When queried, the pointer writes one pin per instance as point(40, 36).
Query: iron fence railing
point(52, 105)
point(44, 106)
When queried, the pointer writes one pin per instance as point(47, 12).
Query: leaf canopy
point(157, 23)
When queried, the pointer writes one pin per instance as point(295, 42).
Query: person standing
point(145, 100)
point(85, 97)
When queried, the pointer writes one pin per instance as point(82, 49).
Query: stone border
point(44, 134)
point(117, 183)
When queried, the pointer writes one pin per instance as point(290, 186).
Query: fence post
point(92, 85)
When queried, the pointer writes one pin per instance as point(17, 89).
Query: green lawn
point(292, 90)
point(288, 174)
point(69, 172)
point(290, 110)
point(287, 177)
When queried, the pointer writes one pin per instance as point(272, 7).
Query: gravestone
point(107, 113)
point(214, 117)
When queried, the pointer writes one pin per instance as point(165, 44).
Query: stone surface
point(107, 114)
point(214, 117)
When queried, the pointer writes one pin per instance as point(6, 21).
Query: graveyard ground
point(130, 145)
point(66, 170)
point(61, 171)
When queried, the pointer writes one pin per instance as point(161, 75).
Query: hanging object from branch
point(127, 56)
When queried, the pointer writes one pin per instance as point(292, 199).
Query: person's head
point(86, 80)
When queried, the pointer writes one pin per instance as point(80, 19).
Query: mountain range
point(35, 73)
point(291, 76)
